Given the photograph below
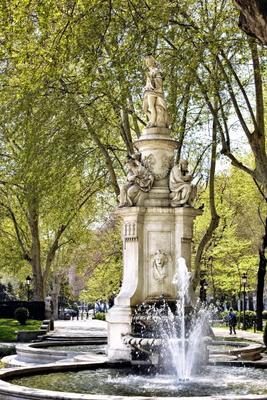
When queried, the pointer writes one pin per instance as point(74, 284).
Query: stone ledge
point(9, 391)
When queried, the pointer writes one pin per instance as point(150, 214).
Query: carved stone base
point(145, 232)
point(157, 155)
point(157, 197)
point(119, 324)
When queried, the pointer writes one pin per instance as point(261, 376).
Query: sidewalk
point(93, 327)
point(240, 334)
point(81, 328)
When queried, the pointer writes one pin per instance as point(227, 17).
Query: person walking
point(232, 321)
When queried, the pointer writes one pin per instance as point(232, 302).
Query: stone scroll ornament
point(154, 104)
point(139, 179)
point(159, 265)
point(183, 192)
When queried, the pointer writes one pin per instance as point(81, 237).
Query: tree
point(104, 263)
point(234, 245)
point(72, 79)
point(253, 18)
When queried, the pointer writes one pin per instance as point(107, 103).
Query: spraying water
point(186, 342)
point(178, 346)
point(171, 335)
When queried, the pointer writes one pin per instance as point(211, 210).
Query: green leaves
point(233, 249)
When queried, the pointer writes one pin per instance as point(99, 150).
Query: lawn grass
point(8, 327)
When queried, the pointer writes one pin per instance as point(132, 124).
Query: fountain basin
point(239, 350)
point(119, 381)
point(48, 352)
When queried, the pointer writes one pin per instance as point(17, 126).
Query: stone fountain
point(157, 214)
point(156, 308)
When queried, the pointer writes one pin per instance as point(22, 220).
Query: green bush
point(265, 335)
point(264, 314)
point(250, 317)
point(100, 315)
point(21, 315)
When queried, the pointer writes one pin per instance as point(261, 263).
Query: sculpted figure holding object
point(183, 192)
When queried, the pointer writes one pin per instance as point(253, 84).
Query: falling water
point(181, 280)
point(180, 329)
point(186, 343)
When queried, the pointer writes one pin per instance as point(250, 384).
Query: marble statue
point(183, 192)
point(159, 265)
point(139, 179)
point(154, 104)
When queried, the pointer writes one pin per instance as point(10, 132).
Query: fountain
point(161, 333)
point(157, 213)
point(157, 331)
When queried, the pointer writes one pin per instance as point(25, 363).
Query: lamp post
point(244, 282)
point(203, 290)
point(28, 283)
point(205, 287)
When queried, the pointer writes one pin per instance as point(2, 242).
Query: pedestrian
point(232, 321)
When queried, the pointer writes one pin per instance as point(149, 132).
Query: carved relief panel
point(159, 264)
point(159, 163)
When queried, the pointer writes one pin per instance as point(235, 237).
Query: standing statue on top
point(154, 104)
point(139, 179)
point(183, 192)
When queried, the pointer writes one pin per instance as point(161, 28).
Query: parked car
point(69, 313)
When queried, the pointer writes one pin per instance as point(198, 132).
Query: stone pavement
point(81, 328)
point(240, 334)
point(93, 327)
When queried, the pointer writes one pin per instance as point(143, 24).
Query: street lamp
point(244, 279)
point(203, 290)
point(28, 283)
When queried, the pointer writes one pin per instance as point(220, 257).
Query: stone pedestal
point(157, 155)
point(145, 231)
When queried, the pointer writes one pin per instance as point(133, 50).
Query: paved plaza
point(79, 328)
point(92, 327)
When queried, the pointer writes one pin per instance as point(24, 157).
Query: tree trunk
point(215, 218)
point(33, 219)
point(257, 139)
point(126, 130)
point(56, 284)
point(253, 18)
point(261, 277)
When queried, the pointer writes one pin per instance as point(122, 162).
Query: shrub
point(100, 315)
point(250, 317)
point(21, 315)
point(265, 335)
point(7, 350)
